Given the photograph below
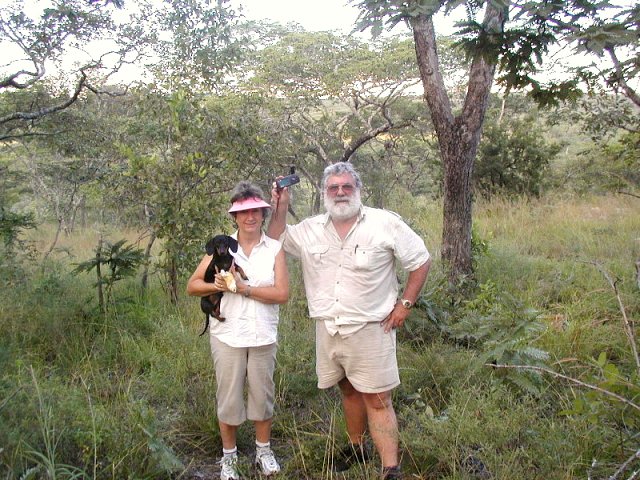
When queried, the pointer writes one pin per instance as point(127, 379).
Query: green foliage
point(122, 261)
point(338, 98)
point(380, 14)
point(176, 169)
point(47, 463)
point(612, 166)
point(91, 414)
point(130, 394)
point(487, 431)
point(596, 405)
point(604, 115)
point(14, 247)
point(504, 331)
point(38, 38)
point(615, 37)
point(513, 158)
point(479, 246)
point(204, 43)
point(12, 225)
point(161, 454)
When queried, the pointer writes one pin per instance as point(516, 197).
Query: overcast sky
point(316, 15)
point(322, 15)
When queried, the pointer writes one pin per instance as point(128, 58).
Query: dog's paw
point(230, 280)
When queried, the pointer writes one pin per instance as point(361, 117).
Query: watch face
point(406, 303)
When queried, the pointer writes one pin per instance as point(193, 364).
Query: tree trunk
point(56, 237)
point(458, 159)
point(147, 260)
point(172, 273)
point(99, 275)
point(458, 137)
point(83, 212)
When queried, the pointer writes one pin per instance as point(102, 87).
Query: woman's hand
point(239, 280)
point(220, 283)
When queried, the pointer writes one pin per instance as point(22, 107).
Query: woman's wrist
point(247, 291)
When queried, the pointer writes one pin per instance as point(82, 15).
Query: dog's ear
point(210, 247)
point(233, 244)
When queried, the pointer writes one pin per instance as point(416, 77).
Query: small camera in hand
point(287, 181)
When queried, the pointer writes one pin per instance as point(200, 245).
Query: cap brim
point(248, 204)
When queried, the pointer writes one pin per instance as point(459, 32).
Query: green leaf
point(611, 372)
point(602, 359)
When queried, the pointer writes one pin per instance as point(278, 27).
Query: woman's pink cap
point(248, 204)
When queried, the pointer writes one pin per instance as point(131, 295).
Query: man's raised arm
point(280, 205)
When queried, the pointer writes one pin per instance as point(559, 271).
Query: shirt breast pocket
point(317, 256)
point(369, 258)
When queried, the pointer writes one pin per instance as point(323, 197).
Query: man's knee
point(378, 401)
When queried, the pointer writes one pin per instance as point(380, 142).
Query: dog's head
point(221, 245)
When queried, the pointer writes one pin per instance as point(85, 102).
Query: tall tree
point(69, 48)
point(196, 43)
point(174, 159)
point(337, 99)
point(36, 46)
point(508, 36)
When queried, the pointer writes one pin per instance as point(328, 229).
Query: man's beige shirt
point(353, 281)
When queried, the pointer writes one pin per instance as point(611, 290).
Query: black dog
point(220, 247)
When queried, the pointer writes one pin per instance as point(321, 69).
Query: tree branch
point(624, 466)
point(435, 92)
point(49, 110)
point(628, 193)
point(630, 93)
point(572, 380)
point(368, 136)
point(628, 328)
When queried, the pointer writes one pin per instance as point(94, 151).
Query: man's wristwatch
point(406, 303)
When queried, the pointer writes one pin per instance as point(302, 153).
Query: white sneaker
point(266, 461)
point(229, 467)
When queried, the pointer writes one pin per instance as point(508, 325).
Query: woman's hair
point(339, 168)
point(245, 189)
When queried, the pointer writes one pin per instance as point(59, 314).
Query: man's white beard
point(343, 210)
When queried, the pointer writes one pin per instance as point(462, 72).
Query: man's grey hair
point(339, 168)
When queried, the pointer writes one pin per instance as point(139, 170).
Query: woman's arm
point(196, 286)
point(278, 293)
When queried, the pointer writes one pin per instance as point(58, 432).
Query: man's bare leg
point(355, 412)
point(383, 426)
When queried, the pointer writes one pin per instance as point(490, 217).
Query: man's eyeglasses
point(347, 189)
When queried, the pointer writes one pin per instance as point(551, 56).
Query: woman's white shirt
point(249, 322)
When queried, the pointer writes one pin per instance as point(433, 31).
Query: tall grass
point(131, 394)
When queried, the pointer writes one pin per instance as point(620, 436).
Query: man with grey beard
point(348, 260)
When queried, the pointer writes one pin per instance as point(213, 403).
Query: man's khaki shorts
point(366, 358)
point(233, 366)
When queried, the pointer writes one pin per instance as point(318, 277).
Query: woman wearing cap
point(244, 345)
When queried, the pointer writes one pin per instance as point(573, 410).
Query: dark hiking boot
point(392, 473)
point(351, 455)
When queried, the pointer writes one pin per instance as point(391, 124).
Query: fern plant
point(504, 331)
point(121, 261)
